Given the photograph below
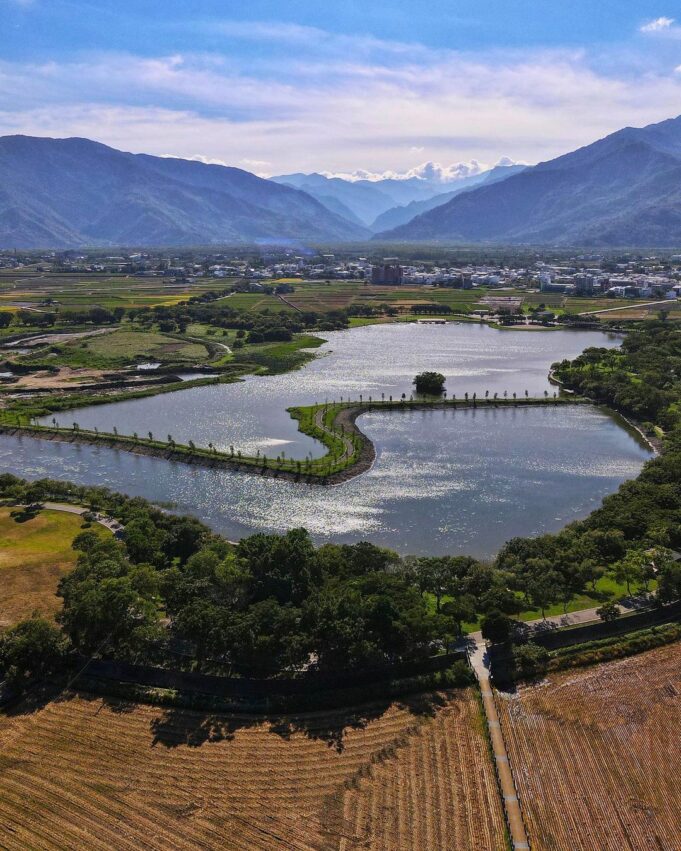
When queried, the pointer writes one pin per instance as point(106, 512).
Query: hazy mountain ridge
point(396, 216)
point(72, 192)
point(624, 189)
point(364, 199)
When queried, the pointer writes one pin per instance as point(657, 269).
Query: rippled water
point(374, 360)
point(443, 481)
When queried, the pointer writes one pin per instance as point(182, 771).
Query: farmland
point(68, 292)
point(84, 772)
point(34, 555)
point(80, 291)
point(596, 755)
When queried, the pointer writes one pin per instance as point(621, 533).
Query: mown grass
point(35, 552)
point(120, 348)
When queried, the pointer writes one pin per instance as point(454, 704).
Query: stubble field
point(596, 755)
point(86, 773)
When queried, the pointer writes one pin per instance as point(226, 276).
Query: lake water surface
point(443, 481)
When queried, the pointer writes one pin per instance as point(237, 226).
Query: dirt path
point(348, 446)
point(479, 661)
point(45, 339)
point(631, 306)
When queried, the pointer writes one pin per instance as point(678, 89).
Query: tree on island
point(430, 383)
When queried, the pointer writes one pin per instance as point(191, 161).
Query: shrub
point(530, 660)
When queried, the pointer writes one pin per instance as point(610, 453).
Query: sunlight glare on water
point(443, 481)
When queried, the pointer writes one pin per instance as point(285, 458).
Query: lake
point(444, 481)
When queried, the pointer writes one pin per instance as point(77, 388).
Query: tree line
point(173, 592)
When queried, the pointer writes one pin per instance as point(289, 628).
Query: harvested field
point(83, 772)
point(597, 755)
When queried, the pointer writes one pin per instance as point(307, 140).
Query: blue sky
point(375, 86)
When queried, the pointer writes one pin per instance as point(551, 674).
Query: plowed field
point(597, 755)
point(84, 773)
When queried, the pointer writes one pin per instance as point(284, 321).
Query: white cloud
point(429, 171)
point(658, 25)
point(343, 112)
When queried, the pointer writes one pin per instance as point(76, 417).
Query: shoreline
point(343, 423)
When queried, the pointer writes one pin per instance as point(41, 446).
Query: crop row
point(597, 755)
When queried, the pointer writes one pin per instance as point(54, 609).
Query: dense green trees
point(111, 605)
point(277, 603)
point(431, 383)
point(30, 650)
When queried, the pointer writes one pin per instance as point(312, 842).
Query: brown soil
point(65, 379)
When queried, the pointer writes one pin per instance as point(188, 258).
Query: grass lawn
point(34, 555)
point(280, 357)
point(606, 590)
point(135, 344)
point(120, 348)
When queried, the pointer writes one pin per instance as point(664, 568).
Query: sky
point(396, 87)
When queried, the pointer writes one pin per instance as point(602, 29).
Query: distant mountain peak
point(58, 193)
point(623, 190)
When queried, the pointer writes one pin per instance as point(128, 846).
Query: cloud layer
point(309, 100)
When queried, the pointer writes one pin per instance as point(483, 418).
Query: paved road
point(348, 446)
point(630, 306)
point(556, 621)
point(479, 661)
point(109, 523)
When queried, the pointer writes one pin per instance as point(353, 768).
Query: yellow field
point(34, 555)
point(596, 755)
point(89, 774)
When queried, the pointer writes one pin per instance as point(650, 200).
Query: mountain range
point(60, 193)
point(363, 201)
point(624, 190)
point(396, 216)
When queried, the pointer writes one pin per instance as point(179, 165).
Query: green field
point(35, 552)
point(121, 347)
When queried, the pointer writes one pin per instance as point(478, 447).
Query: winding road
point(105, 520)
